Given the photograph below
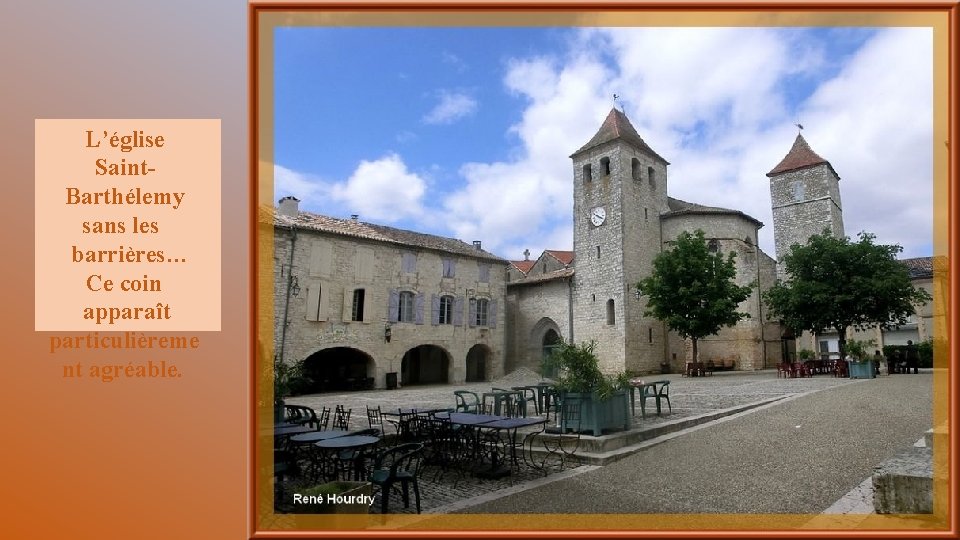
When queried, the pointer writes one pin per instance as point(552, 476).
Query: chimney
point(476, 245)
point(290, 206)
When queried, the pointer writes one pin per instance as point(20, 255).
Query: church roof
point(800, 156)
point(679, 208)
point(563, 273)
point(381, 233)
point(616, 126)
point(523, 266)
point(565, 257)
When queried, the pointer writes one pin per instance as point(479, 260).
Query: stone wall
point(533, 310)
point(340, 264)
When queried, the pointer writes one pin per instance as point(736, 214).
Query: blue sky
point(467, 132)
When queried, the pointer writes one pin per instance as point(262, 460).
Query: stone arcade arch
point(425, 364)
point(477, 363)
point(339, 369)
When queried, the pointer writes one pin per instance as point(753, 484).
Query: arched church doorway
point(425, 364)
point(338, 369)
point(477, 363)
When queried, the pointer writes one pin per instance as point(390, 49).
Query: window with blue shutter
point(409, 262)
point(484, 272)
point(393, 306)
point(449, 268)
point(492, 314)
point(458, 311)
point(472, 315)
point(418, 308)
point(435, 315)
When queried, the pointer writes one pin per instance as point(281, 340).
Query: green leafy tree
point(835, 284)
point(692, 289)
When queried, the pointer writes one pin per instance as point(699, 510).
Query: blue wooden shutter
point(492, 314)
point(472, 316)
point(458, 311)
point(393, 306)
point(418, 308)
point(435, 310)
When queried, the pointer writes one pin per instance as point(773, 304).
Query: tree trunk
point(842, 341)
point(696, 354)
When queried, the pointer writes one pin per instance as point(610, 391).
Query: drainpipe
point(286, 304)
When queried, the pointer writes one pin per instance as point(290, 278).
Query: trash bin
point(392, 380)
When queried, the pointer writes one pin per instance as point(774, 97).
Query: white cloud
point(714, 102)
point(382, 190)
point(452, 107)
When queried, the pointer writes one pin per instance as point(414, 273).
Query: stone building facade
point(358, 301)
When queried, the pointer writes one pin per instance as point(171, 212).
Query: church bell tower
point(620, 190)
point(805, 195)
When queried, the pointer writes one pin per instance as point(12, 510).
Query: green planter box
point(612, 413)
point(861, 370)
point(335, 498)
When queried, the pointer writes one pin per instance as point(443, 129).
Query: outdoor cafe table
point(635, 384)
point(315, 436)
point(348, 442)
point(496, 469)
point(498, 398)
point(291, 430)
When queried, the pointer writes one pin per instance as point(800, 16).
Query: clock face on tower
point(597, 216)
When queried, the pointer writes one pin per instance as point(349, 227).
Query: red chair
point(783, 370)
point(840, 369)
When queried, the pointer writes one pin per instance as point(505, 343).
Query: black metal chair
point(563, 442)
point(341, 418)
point(400, 464)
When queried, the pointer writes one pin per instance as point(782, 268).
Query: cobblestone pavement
point(689, 397)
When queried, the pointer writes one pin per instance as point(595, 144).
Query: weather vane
point(799, 125)
point(616, 101)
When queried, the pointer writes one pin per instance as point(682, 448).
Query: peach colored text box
point(157, 207)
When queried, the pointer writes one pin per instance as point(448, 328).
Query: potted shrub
point(860, 364)
point(284, 376)
point(604, 399)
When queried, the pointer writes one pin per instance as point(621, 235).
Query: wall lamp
point(295, 286)
point(387, 334)
point(637, 293)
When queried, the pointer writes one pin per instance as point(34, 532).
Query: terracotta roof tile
point(565, 257)
point(382, 233)
point(800, 156)
point(523, 266)
point(919, 267)
point(616, 126)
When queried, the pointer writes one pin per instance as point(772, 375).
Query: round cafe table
point(315, 436)
point(343, 446)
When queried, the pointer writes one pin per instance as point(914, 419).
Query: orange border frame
point(949, 7)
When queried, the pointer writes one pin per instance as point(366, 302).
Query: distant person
point(893, 363)
point(913, 358)
point(877, 359)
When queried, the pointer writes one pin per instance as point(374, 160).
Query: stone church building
point(368, 305)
